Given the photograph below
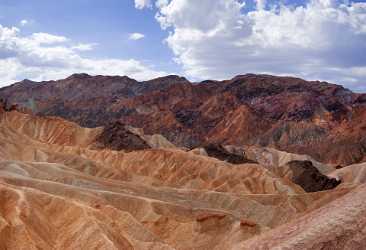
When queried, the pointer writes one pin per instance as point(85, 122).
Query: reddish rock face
point(247, 223)
point(204, 217)
point(2, 105)
point(320, 119)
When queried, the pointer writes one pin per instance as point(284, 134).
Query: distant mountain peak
point(79, 76)
point(26, 81)
point(169, 78)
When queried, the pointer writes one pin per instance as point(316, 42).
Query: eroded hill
point(61, 191)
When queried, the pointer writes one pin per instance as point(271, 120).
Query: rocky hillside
point(59, 191)
point(323, 120)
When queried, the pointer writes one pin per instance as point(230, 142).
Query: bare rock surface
point(229, 154)
point(305, 174)
point(116, 136)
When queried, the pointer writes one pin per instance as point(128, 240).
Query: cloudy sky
point(206, 39)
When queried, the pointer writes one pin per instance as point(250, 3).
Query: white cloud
point(43, 56)
point(140, 4)
point(161, 3)
point(323, 39)
point(136, 36)
point(84, 46)
point(23, 22)
point(45, 38)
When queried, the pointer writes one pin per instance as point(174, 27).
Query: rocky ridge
point(319, 119)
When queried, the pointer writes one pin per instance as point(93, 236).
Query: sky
point(207, 39)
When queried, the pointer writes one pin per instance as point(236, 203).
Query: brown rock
point(224, 154)
point(247, 223)
point(205, 217)
point(305, 174)
point(116, 136)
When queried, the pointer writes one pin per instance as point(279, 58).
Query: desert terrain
point(171, 164)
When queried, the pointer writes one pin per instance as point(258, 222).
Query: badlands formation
point(122, 185)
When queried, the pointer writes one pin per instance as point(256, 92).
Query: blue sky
point(107, 23)
point(315, 39)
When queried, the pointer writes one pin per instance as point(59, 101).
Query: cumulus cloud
point(140, 4)
point(322, 39)
point(42, 56)
point(136, 36)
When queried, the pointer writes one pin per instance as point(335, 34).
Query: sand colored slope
point(270, 157)
point(181, 218)
point(50, 130)
point(351, 175)
point(31, 219)
point(340, 224)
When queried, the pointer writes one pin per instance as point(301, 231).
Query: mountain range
point(323, 120)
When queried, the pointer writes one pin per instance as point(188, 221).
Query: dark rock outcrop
point(222, 153)
point(115, 136)
point(305, 174)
